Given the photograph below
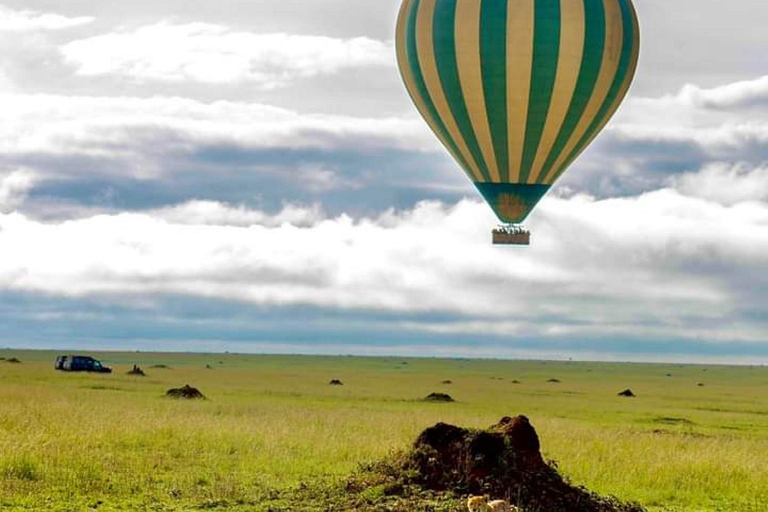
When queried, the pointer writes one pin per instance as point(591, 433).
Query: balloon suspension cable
point(511, 234)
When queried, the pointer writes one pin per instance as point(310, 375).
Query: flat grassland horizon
point(695, 438)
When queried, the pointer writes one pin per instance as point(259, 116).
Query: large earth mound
point(439, 397)
point(447, 463)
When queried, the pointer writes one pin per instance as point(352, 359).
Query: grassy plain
point(114, 442)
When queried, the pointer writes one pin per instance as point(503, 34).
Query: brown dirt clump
point(439, 397)
point(138, 372)
point(503, 461)
point(187, 392)
point(336, 382)
point(627, 393)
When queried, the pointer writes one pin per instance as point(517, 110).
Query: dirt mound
point(447, 381)
point(439, 397)
point(503, 461)
point(448, 463)
point(554, 381)
point(187, 392)
point(336, 382)
point(628, 393)
point(136, 371)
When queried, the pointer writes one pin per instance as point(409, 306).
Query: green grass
point(71, 442)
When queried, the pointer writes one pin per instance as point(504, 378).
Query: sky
point(250, 176)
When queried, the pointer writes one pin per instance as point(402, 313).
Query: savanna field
point(695, 438)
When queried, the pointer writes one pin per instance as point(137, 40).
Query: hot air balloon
point(516, 89)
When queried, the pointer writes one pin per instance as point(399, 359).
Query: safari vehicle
point(80, 364)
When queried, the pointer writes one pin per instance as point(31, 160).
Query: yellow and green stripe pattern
point(517, 89)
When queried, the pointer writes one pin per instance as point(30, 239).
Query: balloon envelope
point(517, 89)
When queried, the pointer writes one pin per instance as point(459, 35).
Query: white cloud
point(6, 85)
point(710, 117)
point(726, 184)
point(652, 139)
point(746, 93)
point(14, 187)
point(19, 21)
point(319, 178)
point(662, 264)
point(214, 213)
point(209, 53)
point(138, 130)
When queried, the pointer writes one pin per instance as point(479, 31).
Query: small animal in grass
point(481, 504)
point(501, 506)
point(478, 504)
